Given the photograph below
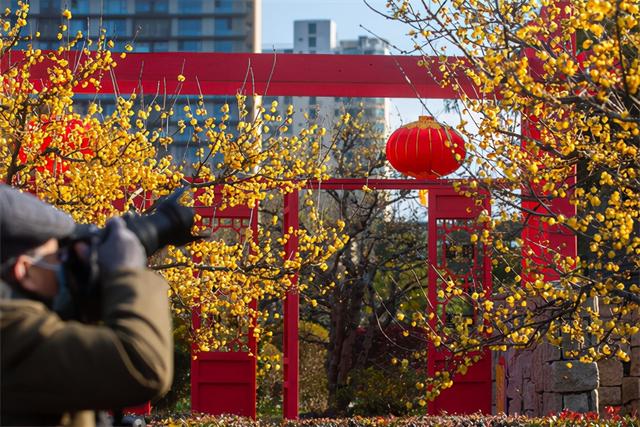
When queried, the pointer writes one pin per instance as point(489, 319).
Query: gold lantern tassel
point(422, 197)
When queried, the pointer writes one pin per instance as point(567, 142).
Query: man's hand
point(120, 249)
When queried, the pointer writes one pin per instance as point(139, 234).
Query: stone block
point(605, 310)
point(514, 380)
point(630, 389)
point(529, 396)
point(576, 402)
point(635, 362)
point(545, 352)
point(610, 396)
point(635, 340)
point(538, 373)
point(525, 363)
point(550, 352)
point(570, 348)
point(536, 355)
point(580, 377)
point(610, 371)
point(514, 406)
point(514, 377)
point(551, 403)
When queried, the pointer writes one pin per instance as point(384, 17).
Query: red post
point(541, 240)
point(471, 392)
point(291, 314)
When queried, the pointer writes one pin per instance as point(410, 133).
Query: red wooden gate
point(225, 382)
point(452, 220)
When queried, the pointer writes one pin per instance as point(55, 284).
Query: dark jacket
point(50, 367)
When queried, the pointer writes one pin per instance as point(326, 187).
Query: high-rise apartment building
point(154, 26)
point(314, 36)
point(320, 36)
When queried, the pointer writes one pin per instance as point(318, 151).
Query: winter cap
point(26, 222)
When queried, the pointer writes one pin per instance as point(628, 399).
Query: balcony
point(229, 7)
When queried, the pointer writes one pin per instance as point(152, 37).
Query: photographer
point(56, 371)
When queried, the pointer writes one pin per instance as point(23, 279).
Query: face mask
point(62, 302)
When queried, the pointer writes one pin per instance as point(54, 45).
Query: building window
point(154, 27)
point(120, 46)
point(115, 27)
point(158, 6)
point(190, 6)
point(189, 27)
point(312, 28)
point(223, 23)
point(80, 7)
point(223, 46)
point(160, 46)
point(144, 47)
point(190, 46)
point(115, 7)
point(76, 25)
point(50, 6)
point(48, 27)
point(312, 42)
point(224, 4)
point(108, 108)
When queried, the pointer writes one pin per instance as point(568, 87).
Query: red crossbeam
point(271, 74)
point(380, 184)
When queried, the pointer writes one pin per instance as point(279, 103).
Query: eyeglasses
point(40, 261)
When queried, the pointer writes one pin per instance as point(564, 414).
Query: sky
point(353, 18)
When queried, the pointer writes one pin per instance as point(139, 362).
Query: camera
point(168, 223)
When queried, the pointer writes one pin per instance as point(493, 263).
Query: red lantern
point(425, 149)
point(55, 162)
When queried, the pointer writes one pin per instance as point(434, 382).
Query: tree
point(555, 123)
point(376, 272)
point(95, 165)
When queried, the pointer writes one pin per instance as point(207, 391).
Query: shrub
point(383, 391)
point(269, 380)
point(424, 421)
point(313, 378)
point(178, 398)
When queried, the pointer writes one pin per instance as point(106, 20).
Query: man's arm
point(49, 365)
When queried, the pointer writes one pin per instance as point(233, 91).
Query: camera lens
point(169, 224)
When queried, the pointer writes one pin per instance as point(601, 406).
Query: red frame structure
point(448, 209)
point(294, 75)
point(229, 374)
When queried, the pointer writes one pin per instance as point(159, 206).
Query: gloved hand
point(120, 249)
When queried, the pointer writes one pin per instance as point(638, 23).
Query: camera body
point(168, 223)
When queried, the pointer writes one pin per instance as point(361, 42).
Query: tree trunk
point(345, 319)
